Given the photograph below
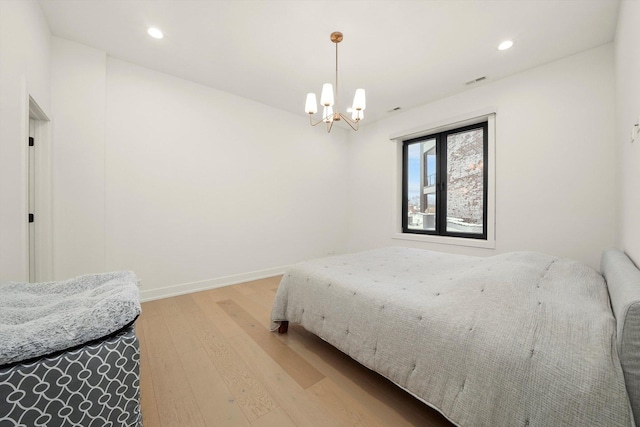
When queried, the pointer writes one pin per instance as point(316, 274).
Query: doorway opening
point(40, 241)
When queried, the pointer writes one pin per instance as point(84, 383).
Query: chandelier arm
point(355, 124)
point(329, 126)
point(322, 119)
point(316, 123)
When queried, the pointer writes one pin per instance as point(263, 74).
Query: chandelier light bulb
point(328, 114)
point(311, 106)
point(359, 100)
point(357, 115)
point(326, 98)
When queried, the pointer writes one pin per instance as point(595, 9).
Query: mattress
point(518, 339)
point(95, 384)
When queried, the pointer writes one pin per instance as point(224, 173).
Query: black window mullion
point(441, 198)
point(405, 187)
point(485, 180)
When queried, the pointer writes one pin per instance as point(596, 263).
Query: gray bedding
point(37, 319)
point(519, 339)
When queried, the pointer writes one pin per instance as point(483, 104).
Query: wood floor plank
point(174, 399)
point(299, 369)
point(209, 307)
point(277, 418)
point(180, 330)
point(164, 362)
point(301, 407)
point(223, 293)
point(251, 395)
point(341, 405)
point(181, 412)
point(151, 309)
point(261, 313)
point(264, 297)
point(217, 404)
point(167, 307)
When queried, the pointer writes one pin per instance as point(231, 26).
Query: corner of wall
point(627, 69)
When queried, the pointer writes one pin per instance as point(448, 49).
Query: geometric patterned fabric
point(97, 384)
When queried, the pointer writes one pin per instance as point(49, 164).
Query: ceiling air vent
point(394, 109)
point(479, 79)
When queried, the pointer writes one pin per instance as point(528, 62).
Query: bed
point(68, 352)
point(518, 339)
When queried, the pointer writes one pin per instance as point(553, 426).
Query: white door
point(32, 201)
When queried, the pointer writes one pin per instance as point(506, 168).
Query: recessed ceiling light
point(505, 45)
point(155, 33)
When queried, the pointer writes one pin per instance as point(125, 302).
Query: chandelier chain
point(337, 92)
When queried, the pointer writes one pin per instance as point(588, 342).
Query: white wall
point(627, 61)
point(555, 157)
point(202, 184)
point(187, 186)
point(24, 70)
point(78, 78)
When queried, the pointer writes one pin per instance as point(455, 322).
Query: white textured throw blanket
point(37, 319)
point(519, 339)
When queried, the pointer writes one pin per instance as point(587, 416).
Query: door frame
point(43, 224)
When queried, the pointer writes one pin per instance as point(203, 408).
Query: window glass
point(413, 189)
point(465, 182)
point(421, 179)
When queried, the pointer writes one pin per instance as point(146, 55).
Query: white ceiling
point(403, 52)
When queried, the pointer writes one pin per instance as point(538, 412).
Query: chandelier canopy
point(327, 100)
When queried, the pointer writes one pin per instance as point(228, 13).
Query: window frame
point(487, 114)
point(441, 150)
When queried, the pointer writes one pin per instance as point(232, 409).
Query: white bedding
point(519, 339)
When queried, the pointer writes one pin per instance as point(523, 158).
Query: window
point(445, 183)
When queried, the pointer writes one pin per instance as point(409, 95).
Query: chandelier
point(327, 101)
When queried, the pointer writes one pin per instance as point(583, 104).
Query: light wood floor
point(208, 359)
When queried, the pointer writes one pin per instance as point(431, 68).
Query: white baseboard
point(187, 288)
